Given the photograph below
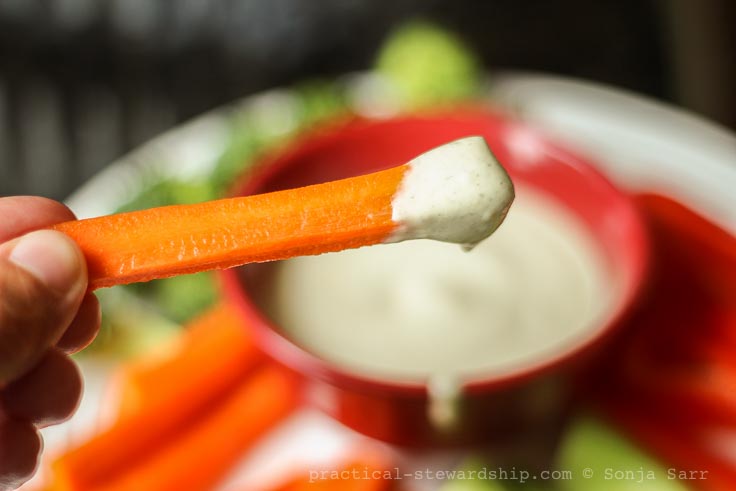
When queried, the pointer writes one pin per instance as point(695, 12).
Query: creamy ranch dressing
point(422, 309)
point(457, 192)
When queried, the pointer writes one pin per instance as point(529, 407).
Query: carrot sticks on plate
point(194, 457)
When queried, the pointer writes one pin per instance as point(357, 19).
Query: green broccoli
point(429, 65)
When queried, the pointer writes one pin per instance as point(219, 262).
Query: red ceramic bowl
point(527, 399)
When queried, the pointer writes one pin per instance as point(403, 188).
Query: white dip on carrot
point(457, 192)
point(422, 308)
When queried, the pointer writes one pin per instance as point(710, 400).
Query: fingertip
point(22, 214)
point(20, 448)
point(48, 394)
point(53, 258)
point(84, 328)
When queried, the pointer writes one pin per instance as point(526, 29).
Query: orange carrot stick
point(202, 454)
point(189, 394)
point(446, 187)
point(172, 240)
point(212, 352)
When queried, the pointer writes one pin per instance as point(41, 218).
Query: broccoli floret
point(319, 101)
point(593, 446)
point(182, 297)
point(429, 65)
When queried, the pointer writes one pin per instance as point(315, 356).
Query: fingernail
point(49, 256)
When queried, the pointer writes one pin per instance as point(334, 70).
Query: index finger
point(23, 214)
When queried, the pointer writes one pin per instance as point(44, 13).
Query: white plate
point(640, 144)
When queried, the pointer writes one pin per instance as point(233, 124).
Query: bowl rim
point(291, 354)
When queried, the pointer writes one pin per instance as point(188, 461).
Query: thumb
point(43, 278)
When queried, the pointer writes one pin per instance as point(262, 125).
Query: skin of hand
point(46, 314)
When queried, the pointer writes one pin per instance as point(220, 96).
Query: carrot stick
point(204, 379)
point(202, 455)
point(212, 352)
point(172, 240)
point(456, 192)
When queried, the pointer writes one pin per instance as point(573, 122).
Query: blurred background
point(84, 81)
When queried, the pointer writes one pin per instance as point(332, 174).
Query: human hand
point(45, 315)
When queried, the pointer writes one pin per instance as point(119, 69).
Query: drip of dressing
point(457, 192)
point(421, 308)
point(445, 393)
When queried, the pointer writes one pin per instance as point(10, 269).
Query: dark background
point(83, 81)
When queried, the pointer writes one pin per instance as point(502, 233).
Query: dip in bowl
point(422, 343)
